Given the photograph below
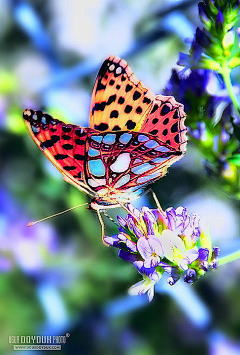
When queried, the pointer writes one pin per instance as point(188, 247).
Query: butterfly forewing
point(119, 100)
point(63, 144)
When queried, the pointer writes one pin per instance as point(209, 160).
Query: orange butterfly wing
point(119, 100)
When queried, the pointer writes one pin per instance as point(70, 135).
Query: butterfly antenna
point(110, 218)
point(56, 214)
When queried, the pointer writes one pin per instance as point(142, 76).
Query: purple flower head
point(156, 242)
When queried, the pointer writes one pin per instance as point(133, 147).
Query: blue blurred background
point(57, 277)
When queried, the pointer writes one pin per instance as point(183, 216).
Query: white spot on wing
point(145, 179)
point(140, 169)
point(44, 120)
point(122, 181)
point(162, 149)
point(112, 66)
point(121, 164)
point(118, 70)
point(96, 182)
point(27, 112)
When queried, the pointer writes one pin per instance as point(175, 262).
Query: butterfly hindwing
point(122, 161)
point(166, 121)
point(119, 100)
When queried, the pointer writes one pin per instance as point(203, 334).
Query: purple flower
point(156, 242)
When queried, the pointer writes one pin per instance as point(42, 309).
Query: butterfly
point(133, 137)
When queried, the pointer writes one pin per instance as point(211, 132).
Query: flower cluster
point(212, 46)
point(157, 242)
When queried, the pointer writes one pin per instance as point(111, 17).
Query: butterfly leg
point(110, 218)
point(102, 226)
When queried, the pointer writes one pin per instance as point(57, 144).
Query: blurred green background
point(57, 277)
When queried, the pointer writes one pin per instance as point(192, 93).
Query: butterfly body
point(134, 136)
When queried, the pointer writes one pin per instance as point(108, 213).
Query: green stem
point(228, 258)
point(227, 79)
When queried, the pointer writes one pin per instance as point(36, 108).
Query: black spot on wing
point(176, 114)
point(146, 100)
point(67, 146)
point(69, 168)
point(116, 128)
point(121, 100)
point(128, 109)
point(174, 127)
point(79, 157)
point(165, 110)
point(130, 124)
point(154, 131)
point(128, 88)
point(114, 114)
point(66, 137)
point(60, 156)
point(79, 141)
point(66, 129)
point(111, 99)
point(136, 95)
point(101, 127)
point(78, 176)
point(138, 110)
point(155, 107)
point(80, 132)
point(176, 138)
point(50, 142)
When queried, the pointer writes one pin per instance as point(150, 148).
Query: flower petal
point(125, 255)
point(169, 241)
point(192, 255)
point(122, 221)
point(152, 261)
point(156, 245)
point(142, 287)
point(131, 245)
point(144, 248)
point(112, 241)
